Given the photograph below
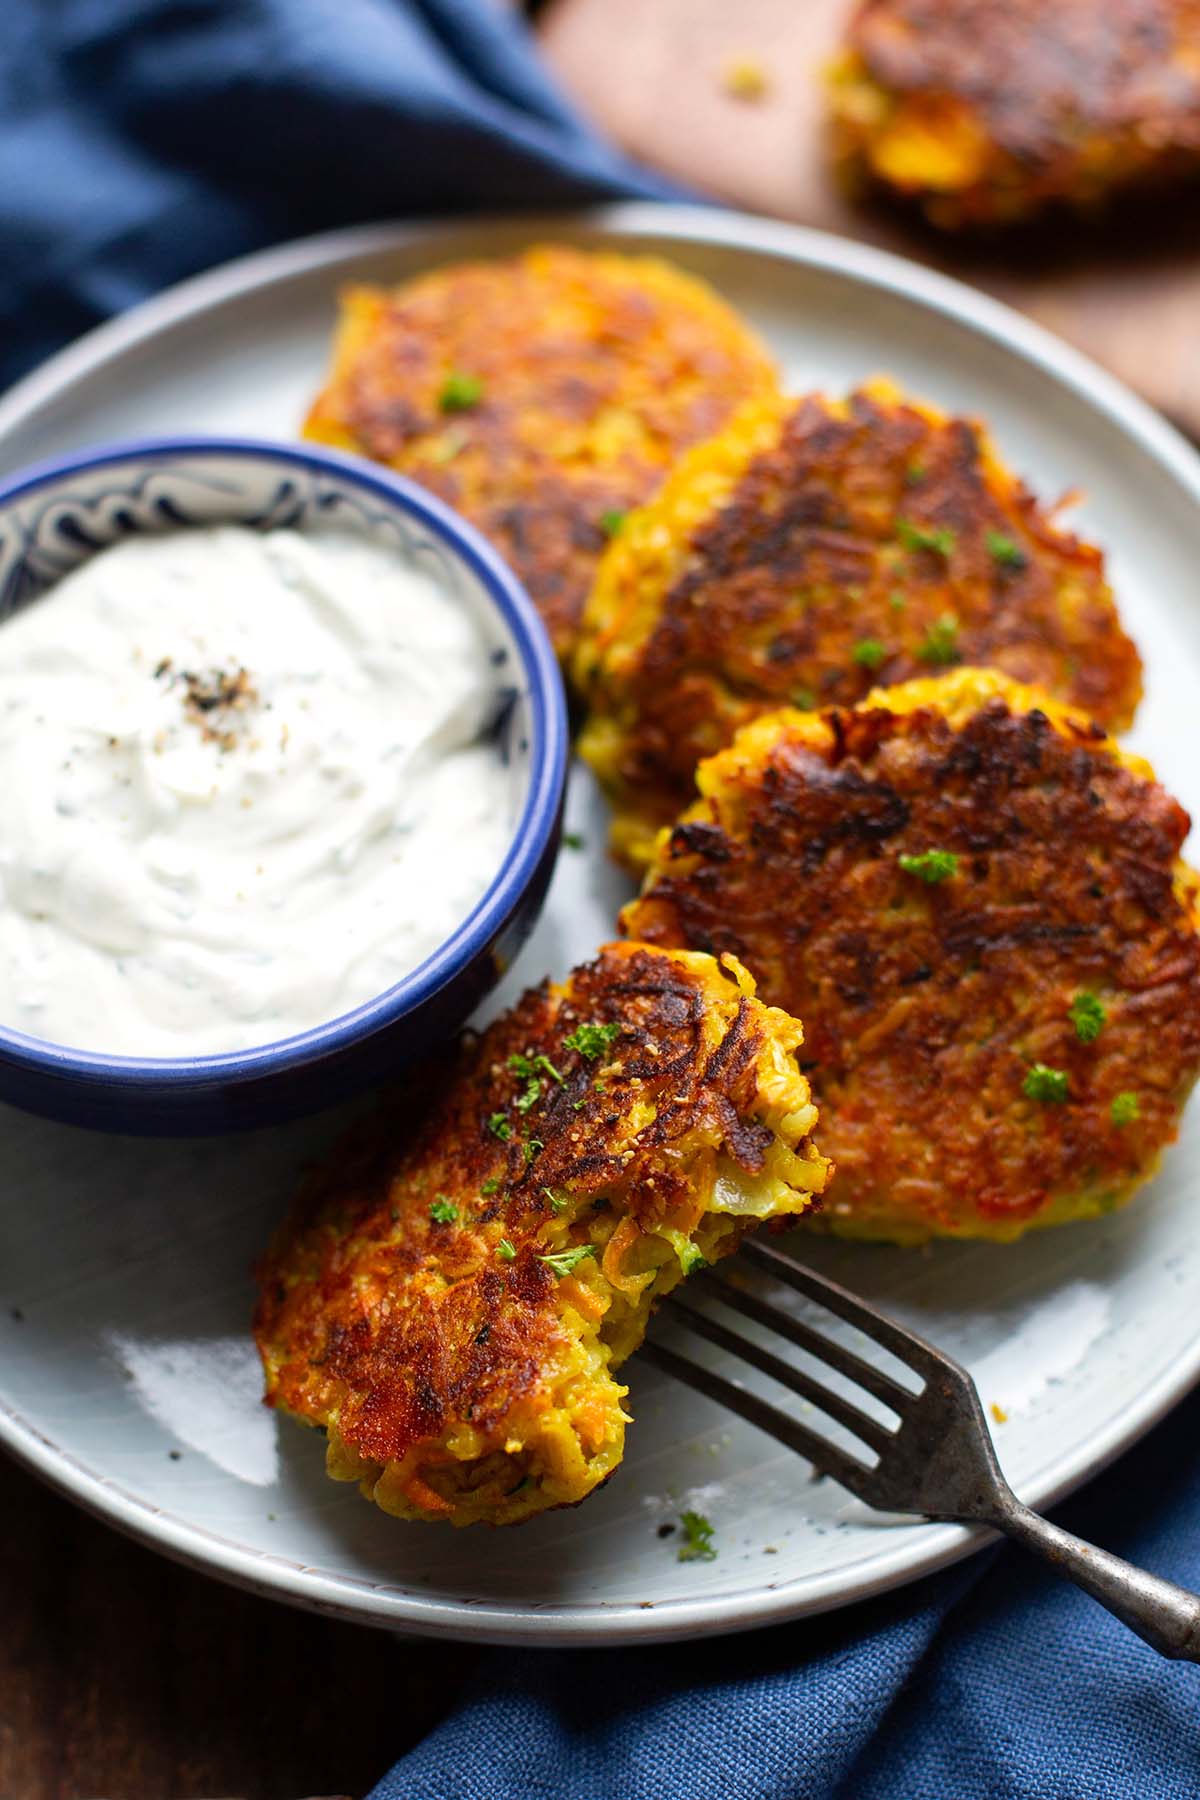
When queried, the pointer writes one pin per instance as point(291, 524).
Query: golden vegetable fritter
point(542, 397)
point(976, 902)
point(456, 1287)
point(813, 551)
point(988, 111)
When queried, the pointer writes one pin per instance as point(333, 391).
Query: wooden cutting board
point(655, 75)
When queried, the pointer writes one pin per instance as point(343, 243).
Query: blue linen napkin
point(142, 140)
point(992, 1681)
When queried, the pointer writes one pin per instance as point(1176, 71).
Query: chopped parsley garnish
point(460, 392)
point(869, 653)
point(1004, 550)
point(914, 472)
point(940, 643)
point(691, 1259)
point(804, 699)
point(574, 840)
point(499, 1127)
point(897, 600)
point(530, 1066)
point(1125, 1108)
point(443, 1211)
point(1044, 1083)
point(1087, 1015)
point(561, 1262)
point(558, 1202)
point(530, 1095)
point(505, 1251)
point(612, 522)
point(490, 1185)
point(531, 1148)
point(931, 866)
point(592, 1040)
point(938, 538)
point(697, 1545)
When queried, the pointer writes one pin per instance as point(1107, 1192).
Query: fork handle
point(1165, 1615)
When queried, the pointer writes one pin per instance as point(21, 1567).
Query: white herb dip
point(246, 784)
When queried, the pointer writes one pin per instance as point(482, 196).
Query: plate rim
point(597, 1622)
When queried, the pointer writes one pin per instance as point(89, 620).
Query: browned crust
point(1074, 98)
point(596, 371)
point(806, 563)
point(925, 1006)
point(373, 1314)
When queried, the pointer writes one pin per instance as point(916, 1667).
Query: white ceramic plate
point(126, 1373)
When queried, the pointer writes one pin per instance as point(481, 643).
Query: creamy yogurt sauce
point(246, 784)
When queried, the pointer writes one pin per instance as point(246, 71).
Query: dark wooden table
point(124, 1676)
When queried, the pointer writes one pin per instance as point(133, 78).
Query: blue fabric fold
point(144, 140)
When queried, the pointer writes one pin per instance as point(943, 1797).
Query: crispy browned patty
point(1003, 1031)
point(811, 552)
point(456, 1285)
point(986, 111)
point(542, 397)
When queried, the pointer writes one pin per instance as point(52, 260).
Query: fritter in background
point(541, 397)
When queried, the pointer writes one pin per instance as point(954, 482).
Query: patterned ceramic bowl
point(52, 518)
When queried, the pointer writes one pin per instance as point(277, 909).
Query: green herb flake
point(914, 473)
point(574, 840)
point(561, 1262)
point(530, 1095)
point(940, 643)
point(1044, 1083)
point(612, 523)
point(930, 866)
point(897, 600)
point(1125, 1108)
point(940, 539)
point(592, 1040)
point(804, 700)
point(869, 653)
point(558, 1202)
point(532, 1066)
point(490, 1185)
point(531, 1148)
point(505, 1251)
point(1088, 1016)
point(499, 1127)
point(697, 1545)
point(443, 1211)
point(692, 1260)
point(1004, 550)
point(460, 392)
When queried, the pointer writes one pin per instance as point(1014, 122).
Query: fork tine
point(905, 1345)
point(864, 1427)
point(825, 1349)
point(826, 1458)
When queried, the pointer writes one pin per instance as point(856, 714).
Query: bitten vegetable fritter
point(976, 902)
point(456, 1287)
point(542, 397)
point(814, 551)
point(988, 111)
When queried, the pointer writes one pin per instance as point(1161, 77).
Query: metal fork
point(939, 1460)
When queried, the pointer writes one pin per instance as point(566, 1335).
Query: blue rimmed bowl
point(52, 518)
